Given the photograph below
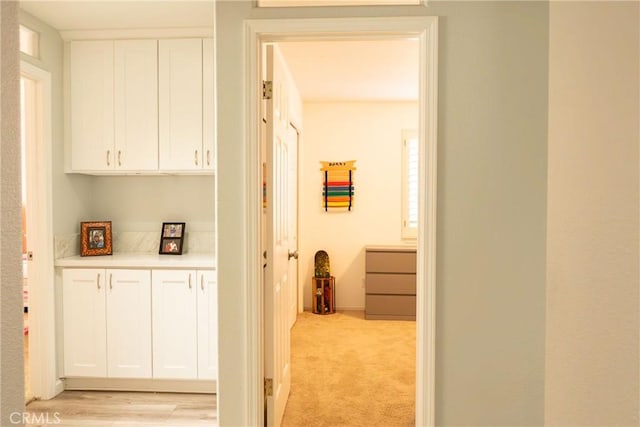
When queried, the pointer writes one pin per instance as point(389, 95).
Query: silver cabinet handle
point(195, 157)
point(208, 157)
point(119, 158)
point(110, 280)
point(108, 157)
point(202, 282)
point(189, 280)
point(98, 281)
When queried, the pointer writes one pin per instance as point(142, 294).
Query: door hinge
point(267, 89)
point(268, 386)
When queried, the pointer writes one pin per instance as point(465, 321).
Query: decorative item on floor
point(338, 186)
point(172, 238)
point(95, 238)
point(323, 285)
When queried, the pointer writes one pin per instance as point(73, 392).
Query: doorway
point(425, 29)
point(357, 98)
point(40, 367)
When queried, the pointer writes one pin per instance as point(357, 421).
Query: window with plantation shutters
point(409, 184)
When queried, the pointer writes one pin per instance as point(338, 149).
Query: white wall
point(71, 193)
point(369, 133)
point(11, 350)
point(593, 304)
point(142, 203)
point(491, 253)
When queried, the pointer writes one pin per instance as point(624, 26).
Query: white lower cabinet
point(207, 325)
point(184, 311)
point(140, 323)
point(107, 323)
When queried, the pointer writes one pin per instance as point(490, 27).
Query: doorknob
point(293, 254)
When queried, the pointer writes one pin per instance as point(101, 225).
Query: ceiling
point(372, 70)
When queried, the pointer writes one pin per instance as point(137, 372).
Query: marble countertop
point(140, 260)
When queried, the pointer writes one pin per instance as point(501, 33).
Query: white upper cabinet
point(142, 106)
point(180, 95)
point(208, 111)
point(114, 105)
point(91, 74)
point(136, 105)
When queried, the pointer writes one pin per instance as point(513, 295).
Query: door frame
point(45, 383)
point(257, 32)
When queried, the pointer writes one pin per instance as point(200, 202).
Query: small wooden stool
point(323, 295)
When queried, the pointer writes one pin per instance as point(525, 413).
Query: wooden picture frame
point(172, 238)
point(95, 238)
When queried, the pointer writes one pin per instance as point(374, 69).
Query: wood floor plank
point(122, 409)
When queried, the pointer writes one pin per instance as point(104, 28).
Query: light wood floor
point(119, 409)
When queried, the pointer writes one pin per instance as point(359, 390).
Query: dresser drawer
point(390, 262)
point(390, 305)
point(391, 283)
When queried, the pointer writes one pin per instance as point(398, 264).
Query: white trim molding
point(257, 32)
point(42, 325)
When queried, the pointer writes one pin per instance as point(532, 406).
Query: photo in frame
point(172, 238)
point(95, 238)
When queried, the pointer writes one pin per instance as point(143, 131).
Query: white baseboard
point(141, 384)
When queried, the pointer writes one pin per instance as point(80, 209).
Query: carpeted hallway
point(347, 371)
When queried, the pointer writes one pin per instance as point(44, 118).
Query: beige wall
point(593, 301)
point(11, 350)
point(491, 207)
point(371, 134)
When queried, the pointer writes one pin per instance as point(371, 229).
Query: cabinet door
point(128, 323)
point(174, 324)
point(136, 105)
point(207, 325)
point(180, 104)
point(208, 112)
point(91, 80)
point(84, 322)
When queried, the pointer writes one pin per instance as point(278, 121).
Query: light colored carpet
point(347, 371)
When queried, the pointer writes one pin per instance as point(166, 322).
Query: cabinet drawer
point(390, 262)
point(391, 305)
point(391, 283)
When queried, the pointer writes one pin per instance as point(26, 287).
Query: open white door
point(293, 225)
point(276, 293)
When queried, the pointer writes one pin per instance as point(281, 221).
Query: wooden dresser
point(390, 282)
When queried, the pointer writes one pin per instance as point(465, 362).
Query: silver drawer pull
point(98, 281)
point(119, 158)
point(195, 157)
point(202, 282)
point(110, 280)
point(189, 280)
point(108, 157)
point(208, 157)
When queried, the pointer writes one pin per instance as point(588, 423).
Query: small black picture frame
point(172, 238)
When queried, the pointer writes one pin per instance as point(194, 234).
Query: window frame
point(409, 231)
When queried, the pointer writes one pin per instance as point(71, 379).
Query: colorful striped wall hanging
point(337, 185)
